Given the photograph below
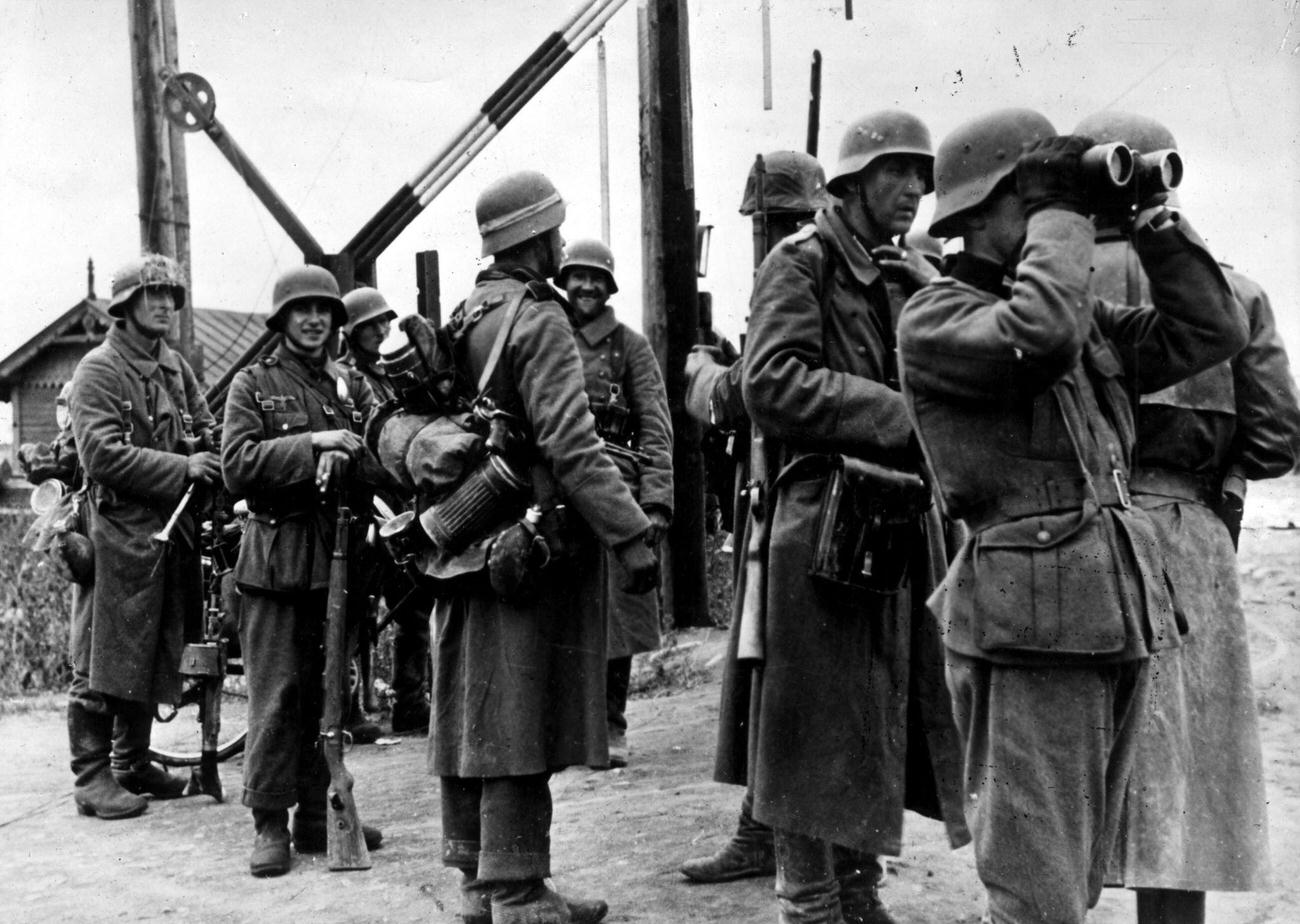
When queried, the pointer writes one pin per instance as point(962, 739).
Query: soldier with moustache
point(292, 447)
point(1195, 812)
point(144, 436)
point(852, 723)
point(519, 680)
point(1019, 394)
point(630, 404)
point(369, 321)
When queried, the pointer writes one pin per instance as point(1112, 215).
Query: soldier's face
point(151, 311)
point(367, 337)
point(308, 324)
point(1005, 223)
point(890, 191)
point(588, 291)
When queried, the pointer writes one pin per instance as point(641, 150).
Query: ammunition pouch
point(868, 529)
point(613, 422)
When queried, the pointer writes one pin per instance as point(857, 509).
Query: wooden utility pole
point(161, 176)
point(671, 315)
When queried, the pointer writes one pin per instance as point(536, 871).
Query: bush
point(35, 613)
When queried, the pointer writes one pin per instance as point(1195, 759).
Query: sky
point(339, 103)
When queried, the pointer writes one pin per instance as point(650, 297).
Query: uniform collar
point(600, 327)
point(982, 274)
point(833, 229)
point(327, 370)
point(144, 355)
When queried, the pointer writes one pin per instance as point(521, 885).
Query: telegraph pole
point(671, 314)
point(161, 176)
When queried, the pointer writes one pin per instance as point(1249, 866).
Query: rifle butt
point(345, 840)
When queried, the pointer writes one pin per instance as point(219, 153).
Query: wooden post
point(429, 284)
point(672, 325)
point(161, 175)
point(602, 105)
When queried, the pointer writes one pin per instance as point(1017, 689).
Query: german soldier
point(369, 320)
point(143, 434)
point(519, 685)
point(292, 437)
point(1195, 815)
point(1018, 395)
point(630, 404)
point(793, 189)
point(852, 722)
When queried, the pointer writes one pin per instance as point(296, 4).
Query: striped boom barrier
point(522, 85)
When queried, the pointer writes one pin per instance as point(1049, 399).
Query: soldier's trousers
point(497, 829)
point(1048, 751)
point(282, 639)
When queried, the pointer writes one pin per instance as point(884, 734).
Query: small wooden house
point(32, 375)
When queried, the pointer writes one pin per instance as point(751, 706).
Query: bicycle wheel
point(178, 740)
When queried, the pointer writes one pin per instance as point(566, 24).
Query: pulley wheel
point(189, 102)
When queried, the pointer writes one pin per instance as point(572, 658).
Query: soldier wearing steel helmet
point(519, 685)
point(851, 724)
point(1019, 394)
point(143, 434)
point(630, 404)
point(368, 324)
point(793, 188)
point(1195, 818)
point(292, 444)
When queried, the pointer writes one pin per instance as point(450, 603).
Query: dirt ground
point(618, 834)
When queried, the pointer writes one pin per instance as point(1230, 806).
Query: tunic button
point(1043, 536)
point(284, 426)
point(862, 351)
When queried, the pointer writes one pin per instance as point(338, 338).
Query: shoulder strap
point(499, 345)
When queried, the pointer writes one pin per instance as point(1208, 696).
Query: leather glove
point(659, 524)
point(1049, 174)
point(640, 566)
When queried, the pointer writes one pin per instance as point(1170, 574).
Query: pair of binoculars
point(1116, 176)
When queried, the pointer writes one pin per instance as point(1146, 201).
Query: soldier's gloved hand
point(331, 466)
point(659, 524)
point(640, 566)
point(203, 467)
point(1049, 174)
point(344, 441)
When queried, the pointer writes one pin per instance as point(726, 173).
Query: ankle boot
point(131, 765)
point(806, 890)
point(309, 832)
point(748, 853)
point(270, 843)
point(531, 902)
point(475, 899)
point(859, 875)
point(97, 793)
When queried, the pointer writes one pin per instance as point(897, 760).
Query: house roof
point(222, 336)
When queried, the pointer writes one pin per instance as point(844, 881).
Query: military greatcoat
point(853, 719)
point(134, 404)
point(520, 690)
point(615, 355)
point(1195, 811)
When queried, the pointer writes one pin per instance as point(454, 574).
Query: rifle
point(346, 845)
point(760, 212)
point(814, 103)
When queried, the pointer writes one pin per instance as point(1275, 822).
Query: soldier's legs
point(132, 767)
point(806, 888)
point(618, 678)
point(411, 664)
point(90, 740)
point(749, 852)
point(1048, 752)
point(859, 875)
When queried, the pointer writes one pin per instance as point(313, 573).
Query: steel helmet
point(305, 282)
point(792, 182)
point(363, 305)
point(589, 253)
point(975, 157)
point(1141, 133)
point(890, 131)
point(151, 269)
point(516, 208)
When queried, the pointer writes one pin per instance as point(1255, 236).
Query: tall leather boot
point(1170, 906)
point(270, 843)
point(309, 831)
point(748, 853)
point(132, 767)
point(859, 875)
point(97, 793)
point(806, 889)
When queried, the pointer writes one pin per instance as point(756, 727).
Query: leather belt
point(1168, 482)
point(1059, 495)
